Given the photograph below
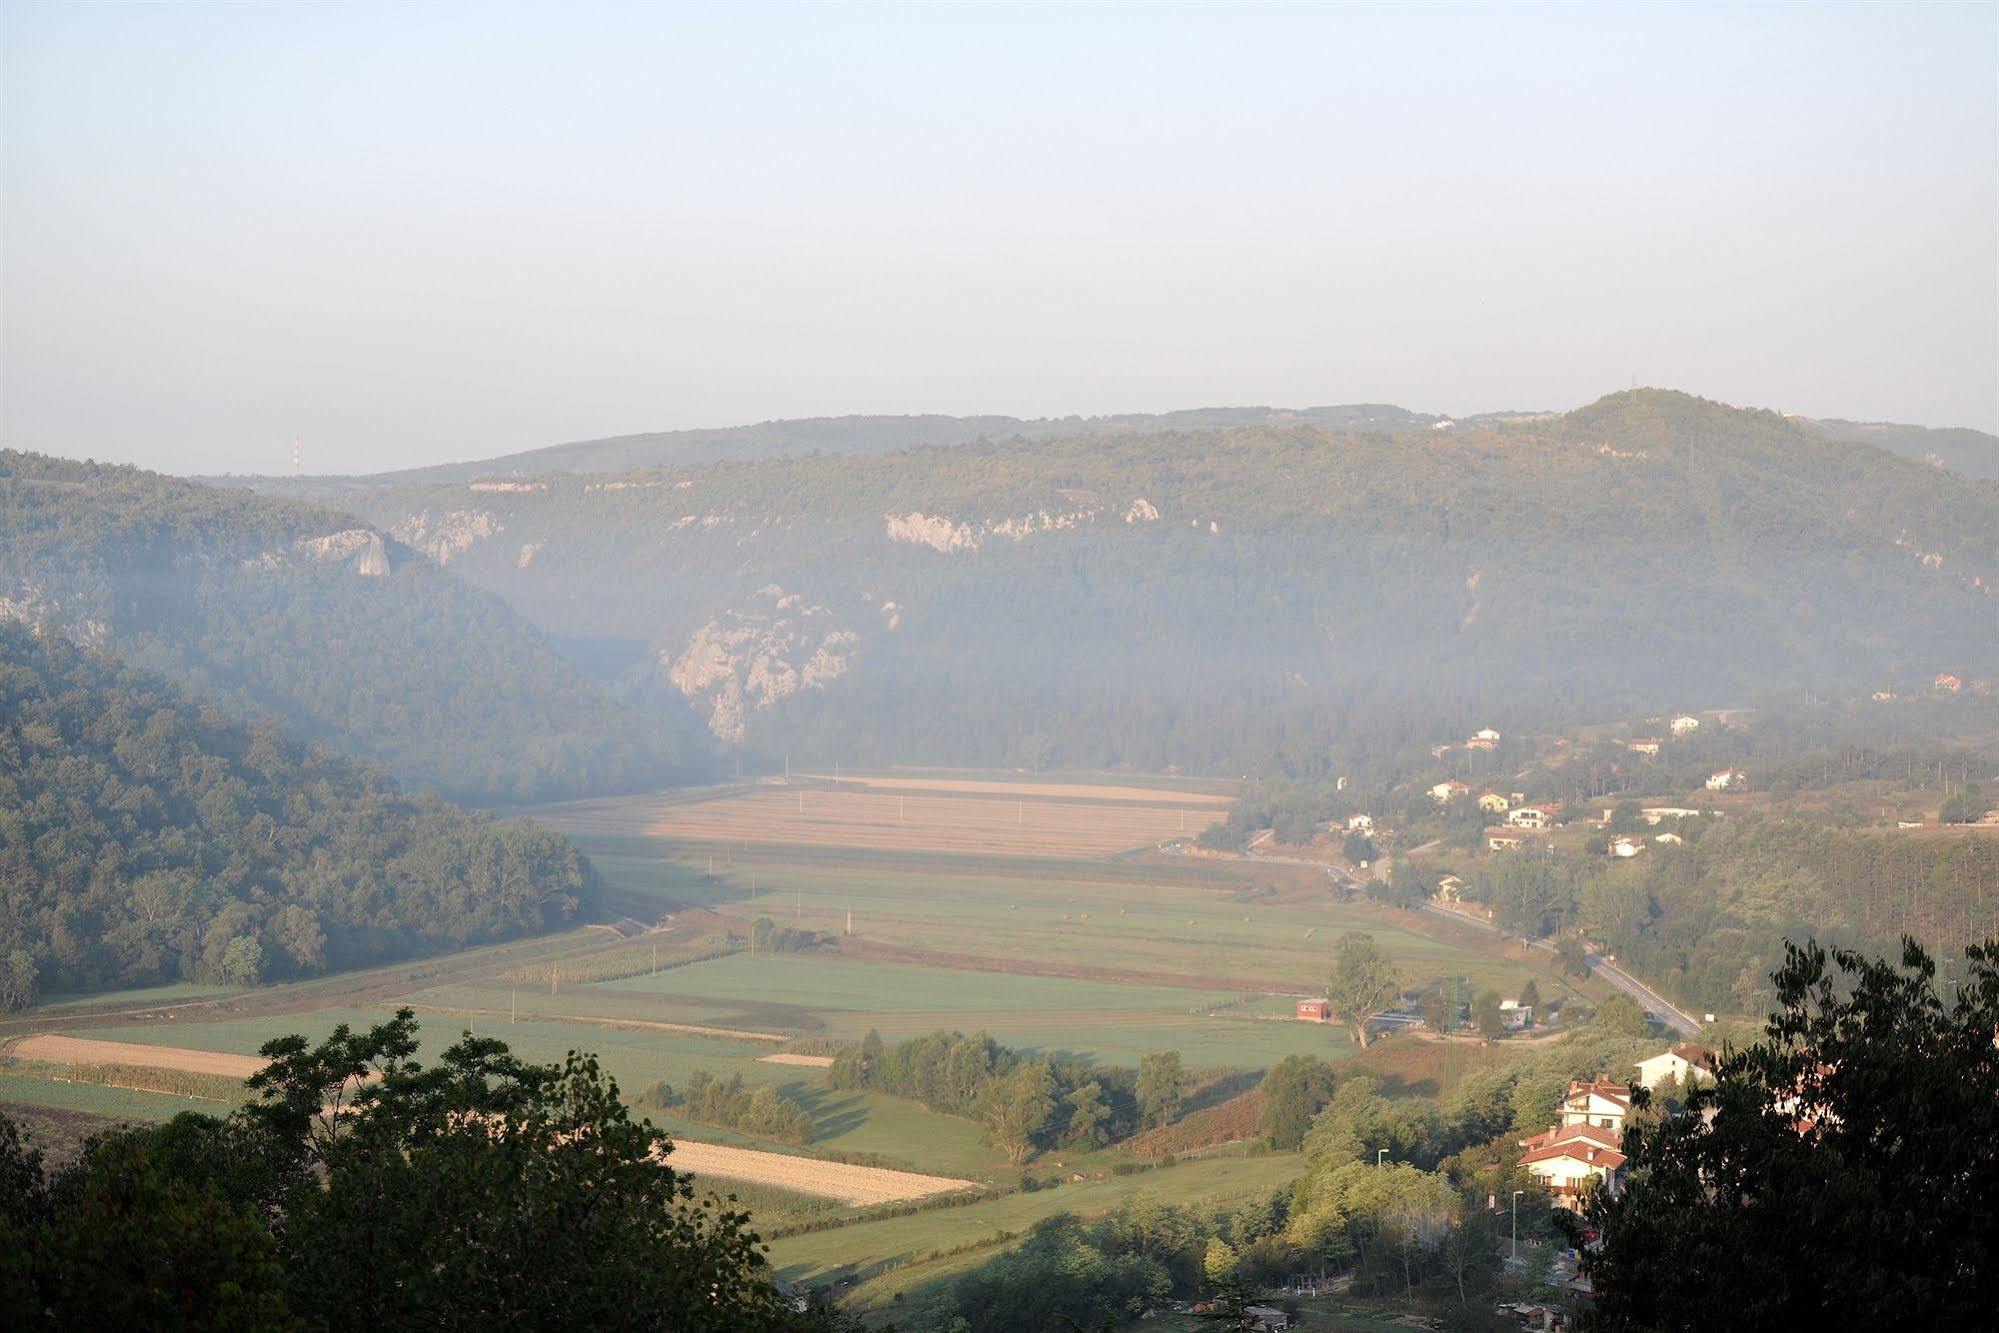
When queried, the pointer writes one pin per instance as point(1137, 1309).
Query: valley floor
point(1102, 957)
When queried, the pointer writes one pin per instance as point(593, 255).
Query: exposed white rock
point(744, 660)
point(32, 606)
point(447, 535)
point(1141, 511)
point(362, 546)
point(509, 487)
point(528, 553)
point(936, 532)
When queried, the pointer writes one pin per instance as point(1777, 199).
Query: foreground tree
point(1839, 1173)
point(1162, 1086)
point(368, 1191)
point(1363, 984)
point(1295, 1090)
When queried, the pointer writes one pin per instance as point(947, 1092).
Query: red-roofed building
point(1570, 1159)
point(1315, 1011)
point(1602, 1102)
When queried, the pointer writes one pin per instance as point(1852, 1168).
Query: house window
point(1604, 1123)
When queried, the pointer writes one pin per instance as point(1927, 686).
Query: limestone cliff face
point(360, 548)
point(32, 605)
point(949, 535)
point(443, 536)
point(747, 659)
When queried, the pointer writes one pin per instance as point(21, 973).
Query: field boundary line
point(644, 1024)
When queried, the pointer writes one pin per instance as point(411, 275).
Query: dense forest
point(145, 836)
point(1274, 597)
point(277, 608)
point(1706, 920)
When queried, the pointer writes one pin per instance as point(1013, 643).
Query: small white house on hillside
point(1686, 1062)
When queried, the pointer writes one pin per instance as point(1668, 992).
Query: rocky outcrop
point(748, 659)
point(947, 535)
point(30, 605)
point(446, 535)
point(938, 533)
point(361, 548)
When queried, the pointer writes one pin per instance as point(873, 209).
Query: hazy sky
point(418, 234)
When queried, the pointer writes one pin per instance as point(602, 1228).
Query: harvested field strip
point(794, 1058)
point(857, 1185)
point(90, 1051)
point(887, 821)
point(1067, 791)
point(536, 1016)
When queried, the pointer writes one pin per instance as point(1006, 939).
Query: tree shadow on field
point(1221, 1090)
point(1394, 1086)
point(833, 1113)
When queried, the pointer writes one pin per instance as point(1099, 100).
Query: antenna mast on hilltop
point(297, 463)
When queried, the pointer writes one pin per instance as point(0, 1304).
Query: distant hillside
point(144, 837)
point(831, 435)
point(1972, 453)
point(276, 607)
point(1253, 598)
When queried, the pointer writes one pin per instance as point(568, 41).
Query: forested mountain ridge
point(277, 607)
point(1247, 598)
point(830, 435)
point(146, 837)
point(1970, 452)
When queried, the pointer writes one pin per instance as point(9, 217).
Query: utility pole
point(513, 1004)
point(298, 462)
point(1516, 1224)
point(554, 980)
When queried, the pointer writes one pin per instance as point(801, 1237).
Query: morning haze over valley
point(1147, 863)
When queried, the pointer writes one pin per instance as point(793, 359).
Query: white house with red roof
point(1602, 1102)
point(1687, 1062)
point(1530, 816)
point(1571, 1159)
point(1444, 792)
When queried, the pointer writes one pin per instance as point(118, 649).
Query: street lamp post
point(1516, 1224)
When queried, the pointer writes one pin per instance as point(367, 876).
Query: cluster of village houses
point(1520, 821)
point(1585, 1145)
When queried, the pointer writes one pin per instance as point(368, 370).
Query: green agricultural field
point(873, 1124)
point(862, 1249)
point(1226, 925)
point(844, 997)
point(174, 993)
point(99, 1099)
